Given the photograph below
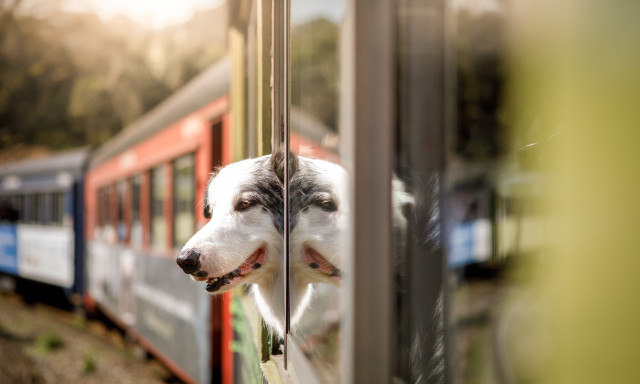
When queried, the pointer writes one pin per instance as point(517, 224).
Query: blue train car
point(41, 220)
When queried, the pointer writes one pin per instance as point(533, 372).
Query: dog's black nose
point(189, 260)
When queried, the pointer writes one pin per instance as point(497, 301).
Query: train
point(42, 220)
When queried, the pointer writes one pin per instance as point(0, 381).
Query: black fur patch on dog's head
point(306, 190)
point(269, 192)
point(277, 164)
point(206, 207)
point(268, 185)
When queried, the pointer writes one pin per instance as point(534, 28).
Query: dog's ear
point(206, 208)
point(277, 163)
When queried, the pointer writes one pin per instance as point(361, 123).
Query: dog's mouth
point(233, 278)
point(315, 260)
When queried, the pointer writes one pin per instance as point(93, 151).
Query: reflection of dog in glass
point(242, 242)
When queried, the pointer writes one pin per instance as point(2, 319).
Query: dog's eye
point(328, 205)
point(244, 205)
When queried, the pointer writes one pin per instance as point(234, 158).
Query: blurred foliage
point(70, 79)
point(88, 363)
point(577, 66)
point(47, 342)
point(314, 70)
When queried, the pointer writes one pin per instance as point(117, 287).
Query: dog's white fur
point(232, 236)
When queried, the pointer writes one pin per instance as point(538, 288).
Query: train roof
point(49, 172)
point(208, 86)
point(67, 161)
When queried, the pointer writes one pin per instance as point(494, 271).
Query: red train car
point(143, 201)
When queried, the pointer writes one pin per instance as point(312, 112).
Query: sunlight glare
point(152, 13)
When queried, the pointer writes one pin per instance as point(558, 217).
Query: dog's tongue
point(253, 262)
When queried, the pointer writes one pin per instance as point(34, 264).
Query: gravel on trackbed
point(43, 344)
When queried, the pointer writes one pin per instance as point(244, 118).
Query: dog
point(243, 241)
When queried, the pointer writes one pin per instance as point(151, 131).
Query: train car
point(143, 201)
point(41, 220)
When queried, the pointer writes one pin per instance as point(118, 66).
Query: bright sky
point(153, 13)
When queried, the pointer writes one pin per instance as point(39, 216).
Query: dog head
point(242, 241)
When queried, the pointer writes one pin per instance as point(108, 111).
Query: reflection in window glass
point(136, 224)
point(419, 143)
point(183, 200)
point(158, 226)
point(9, 210)
point(314, 55)
point(492, 227)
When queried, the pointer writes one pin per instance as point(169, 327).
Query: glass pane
point(419, 142)
point(183, 200)
point(57, 206)
point(317, 200)
point(158, 225)
point(122, 227)
point(38, 208)
point(136, 224)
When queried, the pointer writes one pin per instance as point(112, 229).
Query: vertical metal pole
point(287, 304)
point(281, 126)
point(367, 117)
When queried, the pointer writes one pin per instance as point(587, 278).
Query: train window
point(26, 209)
point(158, 223)
point(56, 208)
point(184, 220)
point(17, 203)
point(8, 209)
point(136, 223)
point(102, 214)
point(122, 226)
point(105, 214)
point(38, 209)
